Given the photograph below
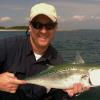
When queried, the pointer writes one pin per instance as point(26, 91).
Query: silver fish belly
point(63, 76)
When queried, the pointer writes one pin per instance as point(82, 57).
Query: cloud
point(84, 18)
point(5, 19)
point(97, 18)
point(79, 17)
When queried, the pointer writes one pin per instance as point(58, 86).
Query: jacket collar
point(49, 54)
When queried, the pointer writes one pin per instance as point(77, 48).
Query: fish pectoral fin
point(85, 80)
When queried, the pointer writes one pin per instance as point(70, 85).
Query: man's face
point(42, 31)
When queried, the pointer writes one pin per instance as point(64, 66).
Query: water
point(85, 42)
point(68, 43)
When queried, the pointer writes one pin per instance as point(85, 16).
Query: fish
point(64, 76)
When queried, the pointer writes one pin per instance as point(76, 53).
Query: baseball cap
point(45, 9)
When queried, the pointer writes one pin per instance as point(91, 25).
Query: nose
point(43, 30)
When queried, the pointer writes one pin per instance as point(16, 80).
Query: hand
point(9, 82)
point(77, 88)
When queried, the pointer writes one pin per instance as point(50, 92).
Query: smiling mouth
point(43, 37)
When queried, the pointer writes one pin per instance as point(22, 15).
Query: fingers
point(12, 88)
point(10, 74)
point(77, 88)
point(9, 82)
point(70, 92)
point(14, 79)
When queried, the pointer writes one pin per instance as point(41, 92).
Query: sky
point(72, 14)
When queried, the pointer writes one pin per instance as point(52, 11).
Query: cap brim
point(46, 14)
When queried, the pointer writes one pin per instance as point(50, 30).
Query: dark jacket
point(16, 56)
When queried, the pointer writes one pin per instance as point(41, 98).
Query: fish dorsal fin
point(78, 59)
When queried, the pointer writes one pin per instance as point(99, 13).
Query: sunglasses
point(39, 25)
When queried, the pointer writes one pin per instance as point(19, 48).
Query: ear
point(29, 29)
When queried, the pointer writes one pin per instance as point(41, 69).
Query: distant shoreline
point(12, 30)
point(57, 30)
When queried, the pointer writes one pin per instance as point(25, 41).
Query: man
point(24, 56)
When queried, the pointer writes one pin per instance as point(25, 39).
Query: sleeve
point(58, 94)
point(2, 51)
point(32, 92)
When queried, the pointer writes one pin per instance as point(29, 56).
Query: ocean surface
point(68, 43)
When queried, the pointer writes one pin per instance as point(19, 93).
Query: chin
point(44, 44)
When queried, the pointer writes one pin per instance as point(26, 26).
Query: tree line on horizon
point(14, 27)
point(25, 27)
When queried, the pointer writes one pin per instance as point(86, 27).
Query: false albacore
point(64, 76)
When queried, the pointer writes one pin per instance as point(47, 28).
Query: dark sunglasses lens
point(37, 25)
point(48, 26)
